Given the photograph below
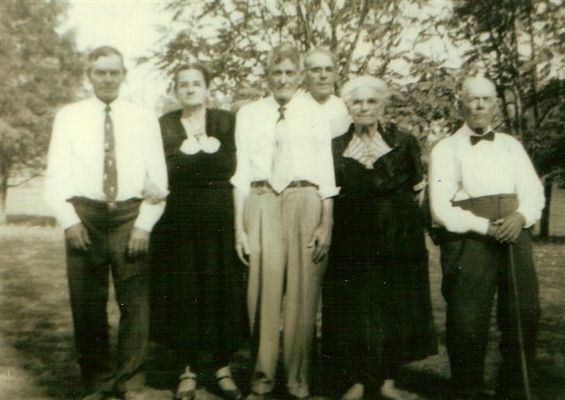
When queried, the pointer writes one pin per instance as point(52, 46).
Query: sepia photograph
point(282, 200)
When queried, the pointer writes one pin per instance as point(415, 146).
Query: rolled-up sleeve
point(443, 185)
point(155, 183)
point(59, 173)
point(241, 180)
point(324, 159)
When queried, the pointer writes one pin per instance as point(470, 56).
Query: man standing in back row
point(320, 76)
point(485, 194)
point(107, 182)
point(283, 217)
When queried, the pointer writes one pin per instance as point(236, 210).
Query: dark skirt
point(198, 293)
point(377, 310)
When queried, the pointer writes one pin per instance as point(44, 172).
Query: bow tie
point(487, 136)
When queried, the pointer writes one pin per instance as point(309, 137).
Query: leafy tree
point(234, 36)
point(40, 71)
point(519, 44)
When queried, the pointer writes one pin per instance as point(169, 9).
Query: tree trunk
point(4, 193)
point(544, 223)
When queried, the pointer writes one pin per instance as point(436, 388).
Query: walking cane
point(514, 284)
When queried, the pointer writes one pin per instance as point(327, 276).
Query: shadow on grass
point(549, 240)
point(36, 322)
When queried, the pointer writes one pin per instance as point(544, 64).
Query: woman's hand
point(242, 247)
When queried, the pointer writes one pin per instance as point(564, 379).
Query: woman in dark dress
point(377, 311)
point(198, 288)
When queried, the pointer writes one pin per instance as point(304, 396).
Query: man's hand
point(77, 236)
point(138, 242)
point(510, 228)
point(242, 247)
point(321, 239)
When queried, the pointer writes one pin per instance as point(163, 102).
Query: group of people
point(320, 198)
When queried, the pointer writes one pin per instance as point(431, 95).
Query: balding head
point(477, 84)
point(478, 100)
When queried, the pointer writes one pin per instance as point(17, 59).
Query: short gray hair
point(284, 52)
point(319, 50)
point(351, 86)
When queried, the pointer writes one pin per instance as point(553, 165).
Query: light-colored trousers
point(279, 228)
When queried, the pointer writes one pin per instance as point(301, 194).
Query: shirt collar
point(274, 105)
point(329, 103)
point(100, 104)
point(467, 131)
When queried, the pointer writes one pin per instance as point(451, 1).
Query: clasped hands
point(507, 230)
point(321, 240)
point(78, 238)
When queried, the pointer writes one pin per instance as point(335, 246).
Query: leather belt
point(101, 204)
point(293, 184)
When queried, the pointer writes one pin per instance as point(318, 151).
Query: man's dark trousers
point(474, 268)
point(88, 272)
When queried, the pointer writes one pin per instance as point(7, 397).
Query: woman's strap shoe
point(229, 394)
point(187, 386)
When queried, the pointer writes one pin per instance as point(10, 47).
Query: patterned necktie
point(281, 173)
point(477, 138)
point(110, 185)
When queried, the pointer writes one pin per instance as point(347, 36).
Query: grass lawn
point(37, 355)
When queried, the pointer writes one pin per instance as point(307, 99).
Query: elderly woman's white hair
point(351, 86)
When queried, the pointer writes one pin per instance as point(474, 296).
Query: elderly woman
point(198, 286)
point(377, 310)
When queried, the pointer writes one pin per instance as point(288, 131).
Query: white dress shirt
point(76, 159)
point(336, 113)
point(309, 133)
point(459, 171)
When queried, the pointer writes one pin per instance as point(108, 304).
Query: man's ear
point(301, 77)
point(459, 108)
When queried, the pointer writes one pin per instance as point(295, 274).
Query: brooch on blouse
point(201, 142)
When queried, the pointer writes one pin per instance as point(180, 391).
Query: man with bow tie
point(485, 194)
point(283, 183)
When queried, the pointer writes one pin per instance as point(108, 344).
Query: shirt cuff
point(67, 216)
point(242, 185)
point(148, 216)
point(420, 186)
point(327, 193)
point(480, 225)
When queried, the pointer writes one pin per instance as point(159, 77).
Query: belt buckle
point(112, 205)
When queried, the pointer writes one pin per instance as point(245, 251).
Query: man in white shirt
point(320, 77)
point(485, 193)
point(283, 208)
point(106, 182)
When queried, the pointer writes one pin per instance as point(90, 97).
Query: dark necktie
point(487, 136)
point(282, 109)
point(110, 185)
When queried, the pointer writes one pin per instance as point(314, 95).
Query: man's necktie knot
point(282, 109)
point(107, 109)
point(487, 136)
